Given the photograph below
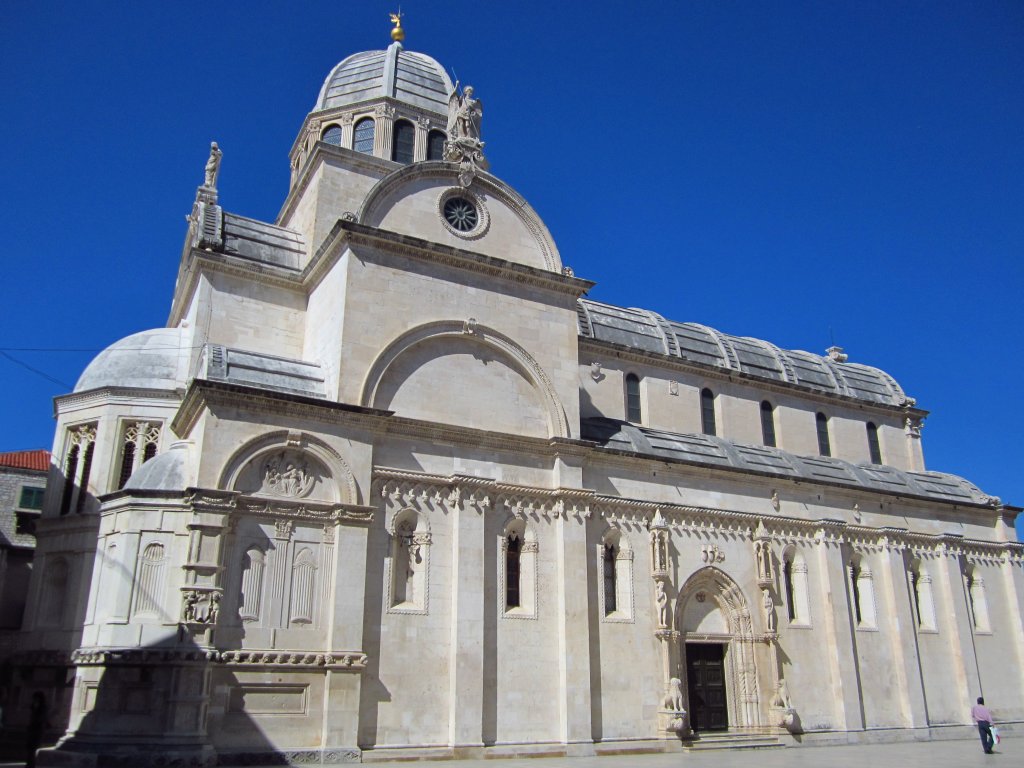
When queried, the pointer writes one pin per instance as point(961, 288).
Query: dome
point(413, 78)
point(166, 472)
point(154, 359)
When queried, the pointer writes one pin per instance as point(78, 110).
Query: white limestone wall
point(254, 316)
point(389, 296)
point(671, 401)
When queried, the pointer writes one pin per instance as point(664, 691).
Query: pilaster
point(466, 656)
point(840, 646)
point(574, 706)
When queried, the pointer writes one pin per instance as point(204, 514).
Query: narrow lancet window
point(513, 570)
point(768, 424)
point(707, 412)
point(824, 445)
point(873, 447)
point(634, 412)
point(610, 554)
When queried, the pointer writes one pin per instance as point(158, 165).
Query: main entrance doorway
point(705, 678)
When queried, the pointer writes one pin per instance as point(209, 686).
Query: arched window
point(513, 570)
point(979, 603)
point(410, 553)
point(794, 580)
point(824, 446)
point(767, 423)
point(435, 145)
point(77, 467)
point(332, 135)
point(633, 410)
point(873, 448)
point(862, 595)
point(787, 576)
point(707, 412)
point(138, 445)
point(403, 142)
point(363, 136)
point(924, 600)
point(608, 563)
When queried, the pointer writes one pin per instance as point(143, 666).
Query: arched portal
point(714, 622)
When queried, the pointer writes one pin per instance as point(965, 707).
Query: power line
point(36, 371)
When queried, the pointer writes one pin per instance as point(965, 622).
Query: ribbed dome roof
point(154, 359)
point(649, 331)
point(414, 78)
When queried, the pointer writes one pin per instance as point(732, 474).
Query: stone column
point(466, 654)
point(573, 630)
point(384, 114)
point(422, 129)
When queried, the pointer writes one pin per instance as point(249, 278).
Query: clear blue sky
point(785, 170)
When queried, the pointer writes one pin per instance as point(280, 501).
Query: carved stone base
point(786, 718)
point(327, 756)
point(673, 722)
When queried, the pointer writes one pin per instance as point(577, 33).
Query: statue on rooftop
point(464, 114)
point(213, 166)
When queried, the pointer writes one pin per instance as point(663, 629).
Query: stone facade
point(387, 483)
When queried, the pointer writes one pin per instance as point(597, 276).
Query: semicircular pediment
point(425, 200)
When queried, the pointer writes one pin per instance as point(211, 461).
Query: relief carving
point(285, 474)
point(200, 606)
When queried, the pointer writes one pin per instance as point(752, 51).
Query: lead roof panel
point(640, 329)
point(709, 451)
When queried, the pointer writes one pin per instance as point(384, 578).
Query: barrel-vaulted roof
point(414, 78)
point(648, 331)
point(711, 451)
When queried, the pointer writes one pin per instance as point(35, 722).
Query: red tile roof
point(38, 459)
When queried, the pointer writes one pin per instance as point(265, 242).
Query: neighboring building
point(387, 482)
point(22, 485)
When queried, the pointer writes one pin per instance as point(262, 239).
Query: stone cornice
point(608, 349)
point(336, 661)
point(411, 487)
point(202, 393)
point(388, 242)
point(102, 395)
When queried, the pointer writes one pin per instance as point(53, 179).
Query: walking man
point(983, 717)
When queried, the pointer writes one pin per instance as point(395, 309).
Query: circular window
point(461, 214)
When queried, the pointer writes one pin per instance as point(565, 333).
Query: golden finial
point(397, 34)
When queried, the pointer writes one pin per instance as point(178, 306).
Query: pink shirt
point(981, 712)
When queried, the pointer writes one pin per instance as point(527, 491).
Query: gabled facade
point(387, 481)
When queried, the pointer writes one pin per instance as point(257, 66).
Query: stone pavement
point(927, 754)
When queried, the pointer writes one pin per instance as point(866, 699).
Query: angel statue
point(464, 114)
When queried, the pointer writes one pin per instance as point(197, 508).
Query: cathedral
point(388, 485)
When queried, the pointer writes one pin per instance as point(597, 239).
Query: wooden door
point(705, 677)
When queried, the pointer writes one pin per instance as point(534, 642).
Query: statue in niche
point(213, 166)
point(661, 597)
point(764, 560)
point(769, 611)
point(283, 476)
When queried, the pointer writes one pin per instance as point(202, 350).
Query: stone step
point(708, 741)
